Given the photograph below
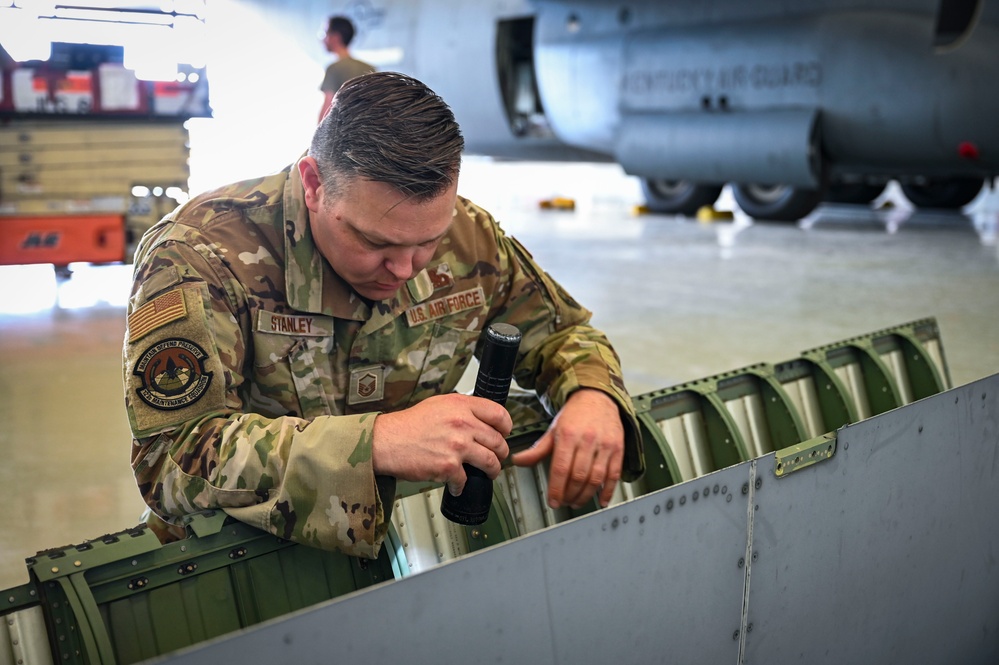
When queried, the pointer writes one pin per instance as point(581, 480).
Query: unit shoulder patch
point(172, 374)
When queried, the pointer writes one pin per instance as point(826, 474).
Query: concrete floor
point(681, 300)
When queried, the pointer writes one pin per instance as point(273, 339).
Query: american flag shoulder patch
point(156, 313)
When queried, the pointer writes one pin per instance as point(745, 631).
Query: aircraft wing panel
point(883, 552)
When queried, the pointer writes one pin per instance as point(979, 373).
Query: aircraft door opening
point(517, 79)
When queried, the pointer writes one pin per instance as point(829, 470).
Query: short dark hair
point(342, 26)
point(391, 128)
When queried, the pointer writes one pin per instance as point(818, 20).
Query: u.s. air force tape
point(446, 305)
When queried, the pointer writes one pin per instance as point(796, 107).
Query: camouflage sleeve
point(560, 351)
point(196, 448)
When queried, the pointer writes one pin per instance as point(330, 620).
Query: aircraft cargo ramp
point(767, 529)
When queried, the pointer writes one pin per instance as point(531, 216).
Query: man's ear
point(309, 171)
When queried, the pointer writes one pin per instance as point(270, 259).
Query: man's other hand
point(586, 444)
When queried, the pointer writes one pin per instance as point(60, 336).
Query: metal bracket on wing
point(804, 454)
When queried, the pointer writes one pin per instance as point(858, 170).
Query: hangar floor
point(681, 300)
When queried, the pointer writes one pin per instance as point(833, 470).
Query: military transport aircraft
point(792, 103)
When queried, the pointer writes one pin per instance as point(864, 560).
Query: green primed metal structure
point(124, 598)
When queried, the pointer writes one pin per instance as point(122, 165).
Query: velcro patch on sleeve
point(174, 373)
point(155, 314)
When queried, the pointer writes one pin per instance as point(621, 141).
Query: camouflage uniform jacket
point(253, 374)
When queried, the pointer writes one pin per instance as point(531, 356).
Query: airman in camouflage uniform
point(267, 375)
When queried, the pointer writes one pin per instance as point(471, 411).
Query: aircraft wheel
point(948, 193)
point(854, 192)
point(678, 197)
point(779, 203)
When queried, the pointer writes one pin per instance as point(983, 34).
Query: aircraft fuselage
point(802, 95)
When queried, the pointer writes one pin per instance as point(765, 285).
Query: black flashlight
point(499, 355)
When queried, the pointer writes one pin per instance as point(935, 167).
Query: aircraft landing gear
point(678, 197)
point(947, 193)
point(780, 203)
point(853, 192)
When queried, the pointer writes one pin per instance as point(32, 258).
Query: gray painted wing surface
point(883, 553)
